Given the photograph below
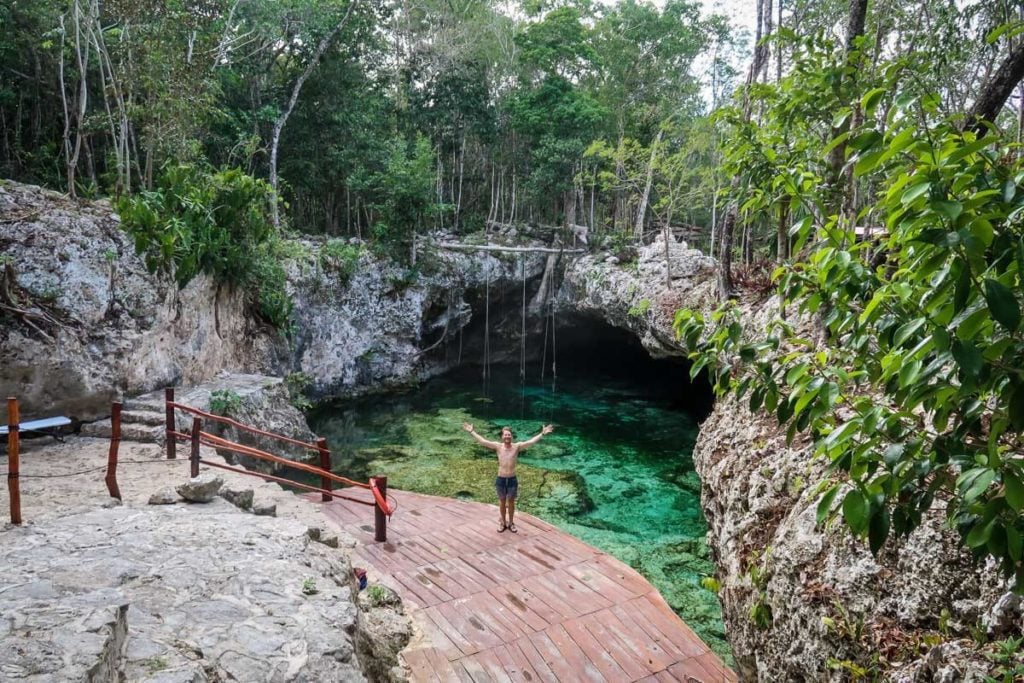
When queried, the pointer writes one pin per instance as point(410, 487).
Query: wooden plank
point(588, 574)
point(465, 645)
point(517, 606)
point(440, 664)
point(553, 657)
point(685, 640)
point(622, 573)
point(552, 600)
point(511, 666)
point(526, 671)
point(441, 643)
point(425, 595)
point(493, 666)
point(475, 672)
point(452, 585)
point(506, 617)
point(640, 625)
point(649, 653)
point(472, 628)
point(624, 658)
point(465, 572)
point(692, 670)
point(419, 665)
point(566, 586)
point(573, 654)
point(482, 607)
point(535, 660)
point(594, 650)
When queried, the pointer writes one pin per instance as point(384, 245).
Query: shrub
point(198, 220)
point(225, 402)
point(341, 258)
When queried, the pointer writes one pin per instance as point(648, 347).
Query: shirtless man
point(506, 483)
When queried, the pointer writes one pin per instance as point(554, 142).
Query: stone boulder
point(201, 489)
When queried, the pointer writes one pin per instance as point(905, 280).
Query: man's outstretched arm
point(547, 429)
point(493, 445)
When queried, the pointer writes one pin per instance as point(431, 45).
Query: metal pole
point(13, 483)
point(197, 427)
point(325, 464)
point(115, 443)
point(169, 413)
point(380, 520)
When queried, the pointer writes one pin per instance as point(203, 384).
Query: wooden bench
point(47, 426)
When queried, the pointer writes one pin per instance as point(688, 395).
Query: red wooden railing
point(383, 509)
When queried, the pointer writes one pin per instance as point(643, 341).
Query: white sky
point(743, 13)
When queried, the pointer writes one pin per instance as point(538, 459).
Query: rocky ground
point(101, 591)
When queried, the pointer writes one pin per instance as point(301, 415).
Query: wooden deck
point(539, 605)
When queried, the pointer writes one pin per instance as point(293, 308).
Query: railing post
point(197, 426)
point(325, 464)
point(169, 413)
point(380, 520)
point(13, 483)
point(115, 443)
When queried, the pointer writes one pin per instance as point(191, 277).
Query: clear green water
point(616, 473)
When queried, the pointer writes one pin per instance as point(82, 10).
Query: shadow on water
point(617, 472)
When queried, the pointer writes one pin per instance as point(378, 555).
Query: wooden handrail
point(243, 427)
point(282, 480)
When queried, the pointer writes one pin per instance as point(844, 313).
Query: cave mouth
point(586, 349)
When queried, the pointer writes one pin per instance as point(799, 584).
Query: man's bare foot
point(513, 529)
point(502, 527)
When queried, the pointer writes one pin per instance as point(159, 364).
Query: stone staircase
point(142, 420)
point(143, 416)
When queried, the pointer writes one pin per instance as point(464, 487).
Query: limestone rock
point(239, 497)
point(171, 593)
point(126, 328)
point(264, 510)
point(165, 496)
point(1004, 617)
point(202, 489)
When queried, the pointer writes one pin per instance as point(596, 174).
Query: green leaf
point(968, 357)
point(1003, 304)
point(962, 293)
point(825, 504)
point(866, 140)
point(871, 99)
point(1014, 491)
point(1013, 544)
point(914, 192)
point(868, 162)
point(979, 484)
point(980, 534)
point(949, 209)
point(878, 530)
point(855, 511)
point(1015, 408)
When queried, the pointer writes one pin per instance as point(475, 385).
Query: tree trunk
point(641, 212)
point(275, 138)
point(997, 90)
point(782, 234)
point(725, 285)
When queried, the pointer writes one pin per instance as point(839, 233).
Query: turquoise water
point(616, 473)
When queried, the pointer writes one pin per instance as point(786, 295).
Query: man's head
point(506, 435)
